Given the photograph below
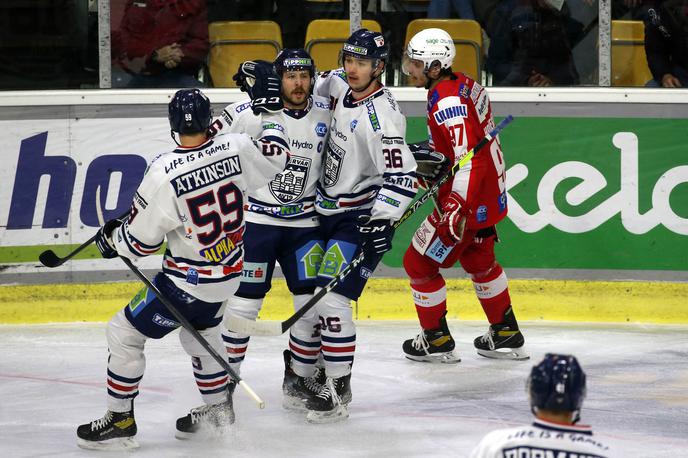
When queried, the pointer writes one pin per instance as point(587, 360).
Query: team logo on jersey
point(321, 129)
point(353, 125)
point(289, 184)
point(333, 164)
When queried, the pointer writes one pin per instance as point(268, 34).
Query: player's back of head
point(557, 384)
point(189, 112)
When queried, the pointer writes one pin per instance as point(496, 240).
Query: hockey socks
point(431, 301)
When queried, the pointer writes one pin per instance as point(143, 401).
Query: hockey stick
point(49, 259)
point(274, 328)
point(182, 320)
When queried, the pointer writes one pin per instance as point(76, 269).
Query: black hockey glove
point(104, 239)
point(375, 236)
point(261, 82)
point(431, 164)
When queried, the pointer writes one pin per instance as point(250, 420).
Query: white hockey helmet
point(431, 45)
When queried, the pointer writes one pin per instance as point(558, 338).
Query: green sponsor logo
point(595, 193)
point(333, 262)
point(311, 260)
point(139, 299)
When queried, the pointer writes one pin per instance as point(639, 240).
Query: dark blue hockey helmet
point(294, 59)
point(366, 44)
point(557, 384)
point(291, 59)
point(189, 112)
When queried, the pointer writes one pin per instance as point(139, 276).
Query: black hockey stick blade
point(49, 259)
point(243, 325)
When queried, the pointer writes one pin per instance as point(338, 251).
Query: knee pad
point(123, 338)
point(244, 307)
point(335, 315)
point(193, 348)
point(418, 268)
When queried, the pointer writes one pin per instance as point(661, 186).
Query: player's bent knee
point(121, 335)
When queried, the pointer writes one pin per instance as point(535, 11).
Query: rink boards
point(597, 187)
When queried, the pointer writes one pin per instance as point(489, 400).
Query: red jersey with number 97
point(459, 116)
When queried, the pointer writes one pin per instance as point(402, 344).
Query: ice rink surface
point(52, 378)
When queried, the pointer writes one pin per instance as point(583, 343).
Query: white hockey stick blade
point(242, 325)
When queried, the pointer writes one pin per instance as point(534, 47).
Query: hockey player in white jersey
point(367, 182)
point(192, 197)
point(282, 225)
point(556, 387)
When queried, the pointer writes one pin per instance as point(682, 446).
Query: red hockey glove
point(453, 222)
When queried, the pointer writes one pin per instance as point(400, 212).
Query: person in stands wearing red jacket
point(462, 228)
point(160, 43)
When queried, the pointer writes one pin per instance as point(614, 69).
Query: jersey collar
point(561, 427)
point(298, 114)
point(190, 149)
point(349, 101)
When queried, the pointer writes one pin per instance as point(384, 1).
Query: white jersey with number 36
point(367, 161)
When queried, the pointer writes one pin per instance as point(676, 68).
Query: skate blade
point(438, 358)
point(340, 413)
point(293, 404)
point(516, 354)
point(119, 443)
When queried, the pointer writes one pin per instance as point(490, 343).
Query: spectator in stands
point(442, 9)
point(160, 43)
point(666, 43)
point(531, 43)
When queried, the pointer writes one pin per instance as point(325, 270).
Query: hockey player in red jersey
point(470, 205)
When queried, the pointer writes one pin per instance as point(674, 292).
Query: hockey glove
point(104, 239)
point(453, 222)
point(431, 164)
point(375, 236)
point(261, 82)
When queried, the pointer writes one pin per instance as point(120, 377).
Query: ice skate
point(432, 346)
point(207, 420)
point(296, 390)
point(115, 431)
point(330, 405)
point(502, 340)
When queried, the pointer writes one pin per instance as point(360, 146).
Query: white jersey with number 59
point(195, 197)
point(367, 161)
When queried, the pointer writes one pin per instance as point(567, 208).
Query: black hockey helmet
point(189, 112)
point(557, 383)
point(366, 44)
point(294, 59)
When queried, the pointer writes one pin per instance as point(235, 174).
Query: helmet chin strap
point(174, 138)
